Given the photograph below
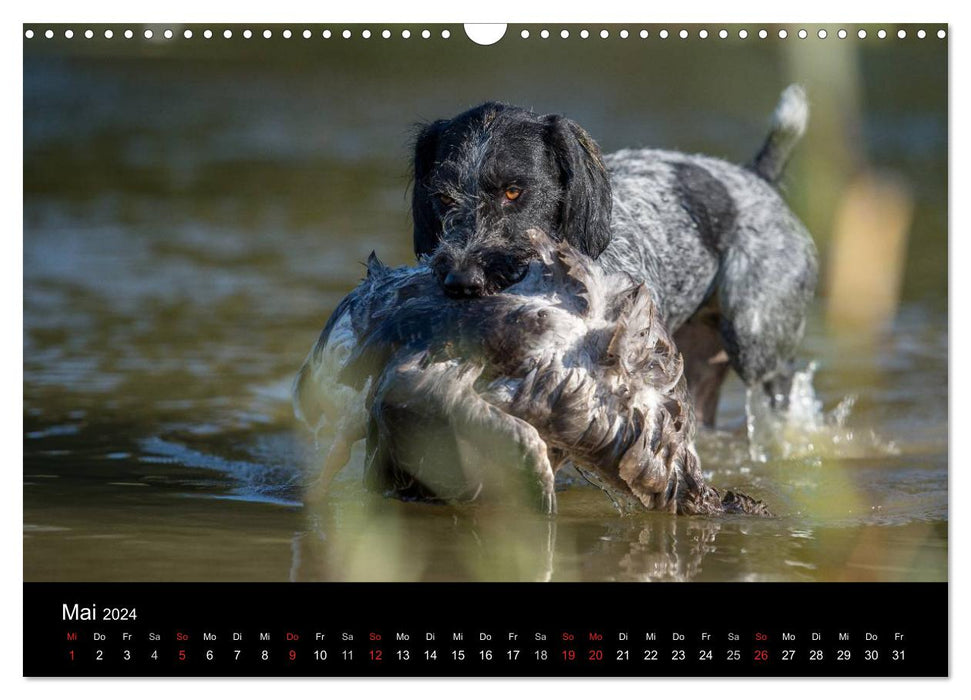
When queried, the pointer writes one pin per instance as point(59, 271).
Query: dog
point(731, 267)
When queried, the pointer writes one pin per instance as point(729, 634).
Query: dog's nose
point(464, 283)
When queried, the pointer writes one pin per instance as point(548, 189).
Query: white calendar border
point(11, 659)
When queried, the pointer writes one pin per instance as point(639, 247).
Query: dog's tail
point(788, 125)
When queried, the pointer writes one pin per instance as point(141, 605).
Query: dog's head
point(486, 177)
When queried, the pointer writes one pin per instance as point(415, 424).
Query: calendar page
point(485, 350)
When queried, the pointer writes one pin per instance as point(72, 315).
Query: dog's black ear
point(428, 227)
point(585, 211)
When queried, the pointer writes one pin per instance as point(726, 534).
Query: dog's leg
point(705, 364)
point(763, 299)
point(779, 386)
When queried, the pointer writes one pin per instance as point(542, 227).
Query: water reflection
point(388, 540)
point(669, 551)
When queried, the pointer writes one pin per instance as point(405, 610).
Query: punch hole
point(624, 34)
point(228, 34)
point(882, 34)
point(742, 34)
point(644, 34)
point(783, 34)
point(188, 33)
point(564, 34)
point(941, 34)
point(487, 34)
point(803, 34)
point(861, 33)
point(901, 34)
point(346, 33)
point(703, 33)
point(604, 33)
point(584, 34)
point(841, 33)
point(168, 33)
point(723, 34)
point(326, 34)
point(29, 34)
point(405, 34)
point(763, 34)
point(921, 34)
point(129, 33)
point(545, 34)
point(149, 34)
point(68, 34)
point(109, 33)
point(207, 34)
point(446, 34)
point(425, 34)
point(386, 34)
point(524, 34)
point(821, 34)
point(287, 34)
point(366, 34)
point(247, 34)
point(306, 34)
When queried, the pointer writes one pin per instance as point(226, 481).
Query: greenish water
point(193, 215)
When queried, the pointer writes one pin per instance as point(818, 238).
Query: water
point(190, 223)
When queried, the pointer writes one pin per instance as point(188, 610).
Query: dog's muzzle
point(464, 283)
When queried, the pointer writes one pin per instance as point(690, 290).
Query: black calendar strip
point(485, 629)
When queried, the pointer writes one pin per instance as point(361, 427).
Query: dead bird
point(458, 398)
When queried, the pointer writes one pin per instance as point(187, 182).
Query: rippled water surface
point(191, 220)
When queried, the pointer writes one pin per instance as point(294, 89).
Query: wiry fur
point(569, 364)
point(788, 125)
point(472, 234)
point(731, 268)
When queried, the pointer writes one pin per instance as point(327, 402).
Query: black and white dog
point(732, 268)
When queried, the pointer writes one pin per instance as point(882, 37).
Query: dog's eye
point(512, 193)
point(446, 200)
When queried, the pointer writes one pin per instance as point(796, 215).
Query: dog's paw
point(548, 503)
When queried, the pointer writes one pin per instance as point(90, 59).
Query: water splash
point(805, 429)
